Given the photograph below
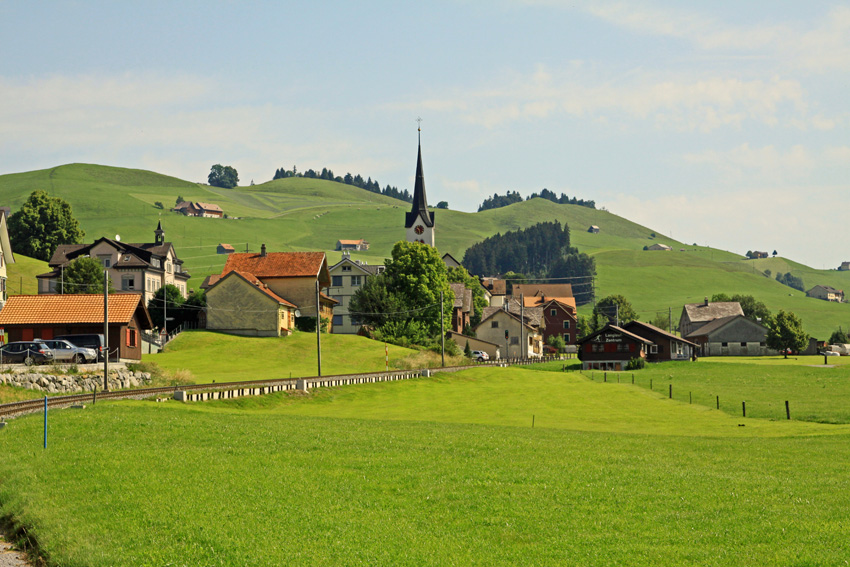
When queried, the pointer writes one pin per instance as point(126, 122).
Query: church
point(419, 222)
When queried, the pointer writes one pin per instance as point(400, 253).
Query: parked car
point(92, 341)
point(480, 355)
point(28, 352)
point(64, 351)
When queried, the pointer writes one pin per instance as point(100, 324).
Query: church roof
point(420, 203)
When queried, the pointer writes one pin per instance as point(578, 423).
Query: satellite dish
point(118, 237)
point(298, 313)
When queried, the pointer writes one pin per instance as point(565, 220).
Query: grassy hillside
point(312, 214)
point(21, 275)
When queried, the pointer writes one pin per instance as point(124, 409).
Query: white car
point(480, 355)
point(831, 353)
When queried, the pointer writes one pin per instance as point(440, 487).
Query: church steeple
point(419, 222)
point(159, 234)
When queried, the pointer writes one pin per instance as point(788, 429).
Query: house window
point(514, 340)
point(653, 349)
point(743, 344)
point(128, 282)
point(355, 280)
point(337, 320)
point(567, 324)
point(105, 259)
point(598, 347)
point(553, 312)
point(168, 267)
point(336, 281)
point(566, 337)
point(346, 268)
point(132, 338)
point(622, 347)
point(156, 263)
point(724, 344)
point(494, 324)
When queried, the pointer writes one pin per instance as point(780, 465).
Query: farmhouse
point(28, 317)
point(560, 321)
point(502, 327)
point(497, 289)
point(845, 266)
point(356, 245)
point(659, 246)
point(827, 293)
point(198, 209)
point(695, 315)
point(731, 336)
point(347, 276)
point(611, 348)
point(294, 277)
point(665, 346)
point(593, 229)
point(224, 249)
point(142, 268)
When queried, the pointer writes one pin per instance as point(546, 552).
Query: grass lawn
point(429, 472)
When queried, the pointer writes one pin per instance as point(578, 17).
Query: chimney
point(706, 299)
point(263, 255)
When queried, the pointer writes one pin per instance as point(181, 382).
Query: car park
point(65, 351)
point(480, 355)
point(91, 340)
point(26, 352)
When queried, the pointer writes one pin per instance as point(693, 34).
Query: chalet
point(731, 336)
point(827, 293)
point(348, 276)
point(461, 340)
point(611, 348)
point(665, 346)
point(757, 255)
point(593, 229)
point(143, 267)
point(225, 249)
point(695, 315)
point(295, 277)
point(28, 317)
point(461, 307)
point(6, 256)
point(198, 209)
point(356, 245)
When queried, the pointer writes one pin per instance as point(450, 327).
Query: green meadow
point(446, 470)
point(312, 214)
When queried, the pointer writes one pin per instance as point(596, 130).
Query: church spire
point(159, 234)
point(420, 203)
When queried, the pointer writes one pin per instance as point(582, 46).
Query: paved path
point(9, 557)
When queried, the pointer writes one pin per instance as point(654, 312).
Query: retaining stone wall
point(75, 383)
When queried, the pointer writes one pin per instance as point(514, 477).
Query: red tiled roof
point(276, 264)
point(209, 207)
point(68, 309)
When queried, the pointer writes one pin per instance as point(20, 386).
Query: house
point(143, 267)
point(28, 317)
point(845, 266)
point(240, 304)
point(356, 245)
point(198, 209)
point(536, 295)
point(224, 249)
point(6, 256)
point(560, 321)
point(497, 289)
point(665, 346)
point(757, 254)
point(347, 276)
point(461, 307)
point(502, 327)
point(295, 277)
point(826, 293)
point(695, 315)
point(611, 348)
point(450, 261)
point(461, 340)
point(593, 229)
point(734, 335)
point(659, 246)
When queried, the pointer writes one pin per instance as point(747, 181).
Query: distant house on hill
point(198, 209)
point(356, 245)
point(593, 229)
point(695, 315)
point(757, 255)
point(225, 249)
point(827, 293)
point(845, 266)
point(659, 246)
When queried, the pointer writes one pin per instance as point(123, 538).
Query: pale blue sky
point(723, 123)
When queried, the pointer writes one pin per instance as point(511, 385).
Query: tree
point(662, 321)
point(557, 342)
point(158, 308)
point(83, 275)
point(612, 309)
point(774, 253)
point(754, 309)
point(223, 176)
point(838, 337)
point(443, 205)
point(42, 224)
point(582, 327)
point(787, 333)
point(467, 352)
point(192, 307)
point(179, 200)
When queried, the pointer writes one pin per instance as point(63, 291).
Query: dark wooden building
point(611, 348)
point(665, 346)
point(28, 317)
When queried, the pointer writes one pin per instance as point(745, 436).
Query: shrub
point(636, 364)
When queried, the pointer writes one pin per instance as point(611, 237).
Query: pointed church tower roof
point(159, 234)
point(420, 203)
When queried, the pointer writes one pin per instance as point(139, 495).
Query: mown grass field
point(312, 214)
point(437, 471)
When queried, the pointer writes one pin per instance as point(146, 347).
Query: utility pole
point(106, 330)
point(318, 330)
point(522, 345)
point(442, 332)
point(670, 319)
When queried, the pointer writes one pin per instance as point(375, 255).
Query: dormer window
point(155, 262)
point(127, 258)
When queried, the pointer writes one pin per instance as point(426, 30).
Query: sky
point(722, 123)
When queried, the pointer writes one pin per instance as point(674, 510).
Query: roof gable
point(640, 328)
point(252, 282)
point(613, 329)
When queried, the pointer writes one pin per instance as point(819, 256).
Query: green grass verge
point(139, 483)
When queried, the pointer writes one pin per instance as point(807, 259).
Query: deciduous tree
point(83, 275)
point(612, 309)
point(223, 176)
point(42, 224)
point(787, 333)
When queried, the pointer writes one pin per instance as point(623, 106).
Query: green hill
point(312, 214)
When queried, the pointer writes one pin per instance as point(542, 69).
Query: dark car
point(28, 352)
point(64, 351)
point(92, 341)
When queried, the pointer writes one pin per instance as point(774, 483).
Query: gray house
point(731, 336)
point(695, 315)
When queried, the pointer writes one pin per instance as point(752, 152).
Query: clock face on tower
point(419, 229)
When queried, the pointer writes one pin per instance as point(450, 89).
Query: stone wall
point(74, 383)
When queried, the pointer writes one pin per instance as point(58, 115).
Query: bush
point(636, 364)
